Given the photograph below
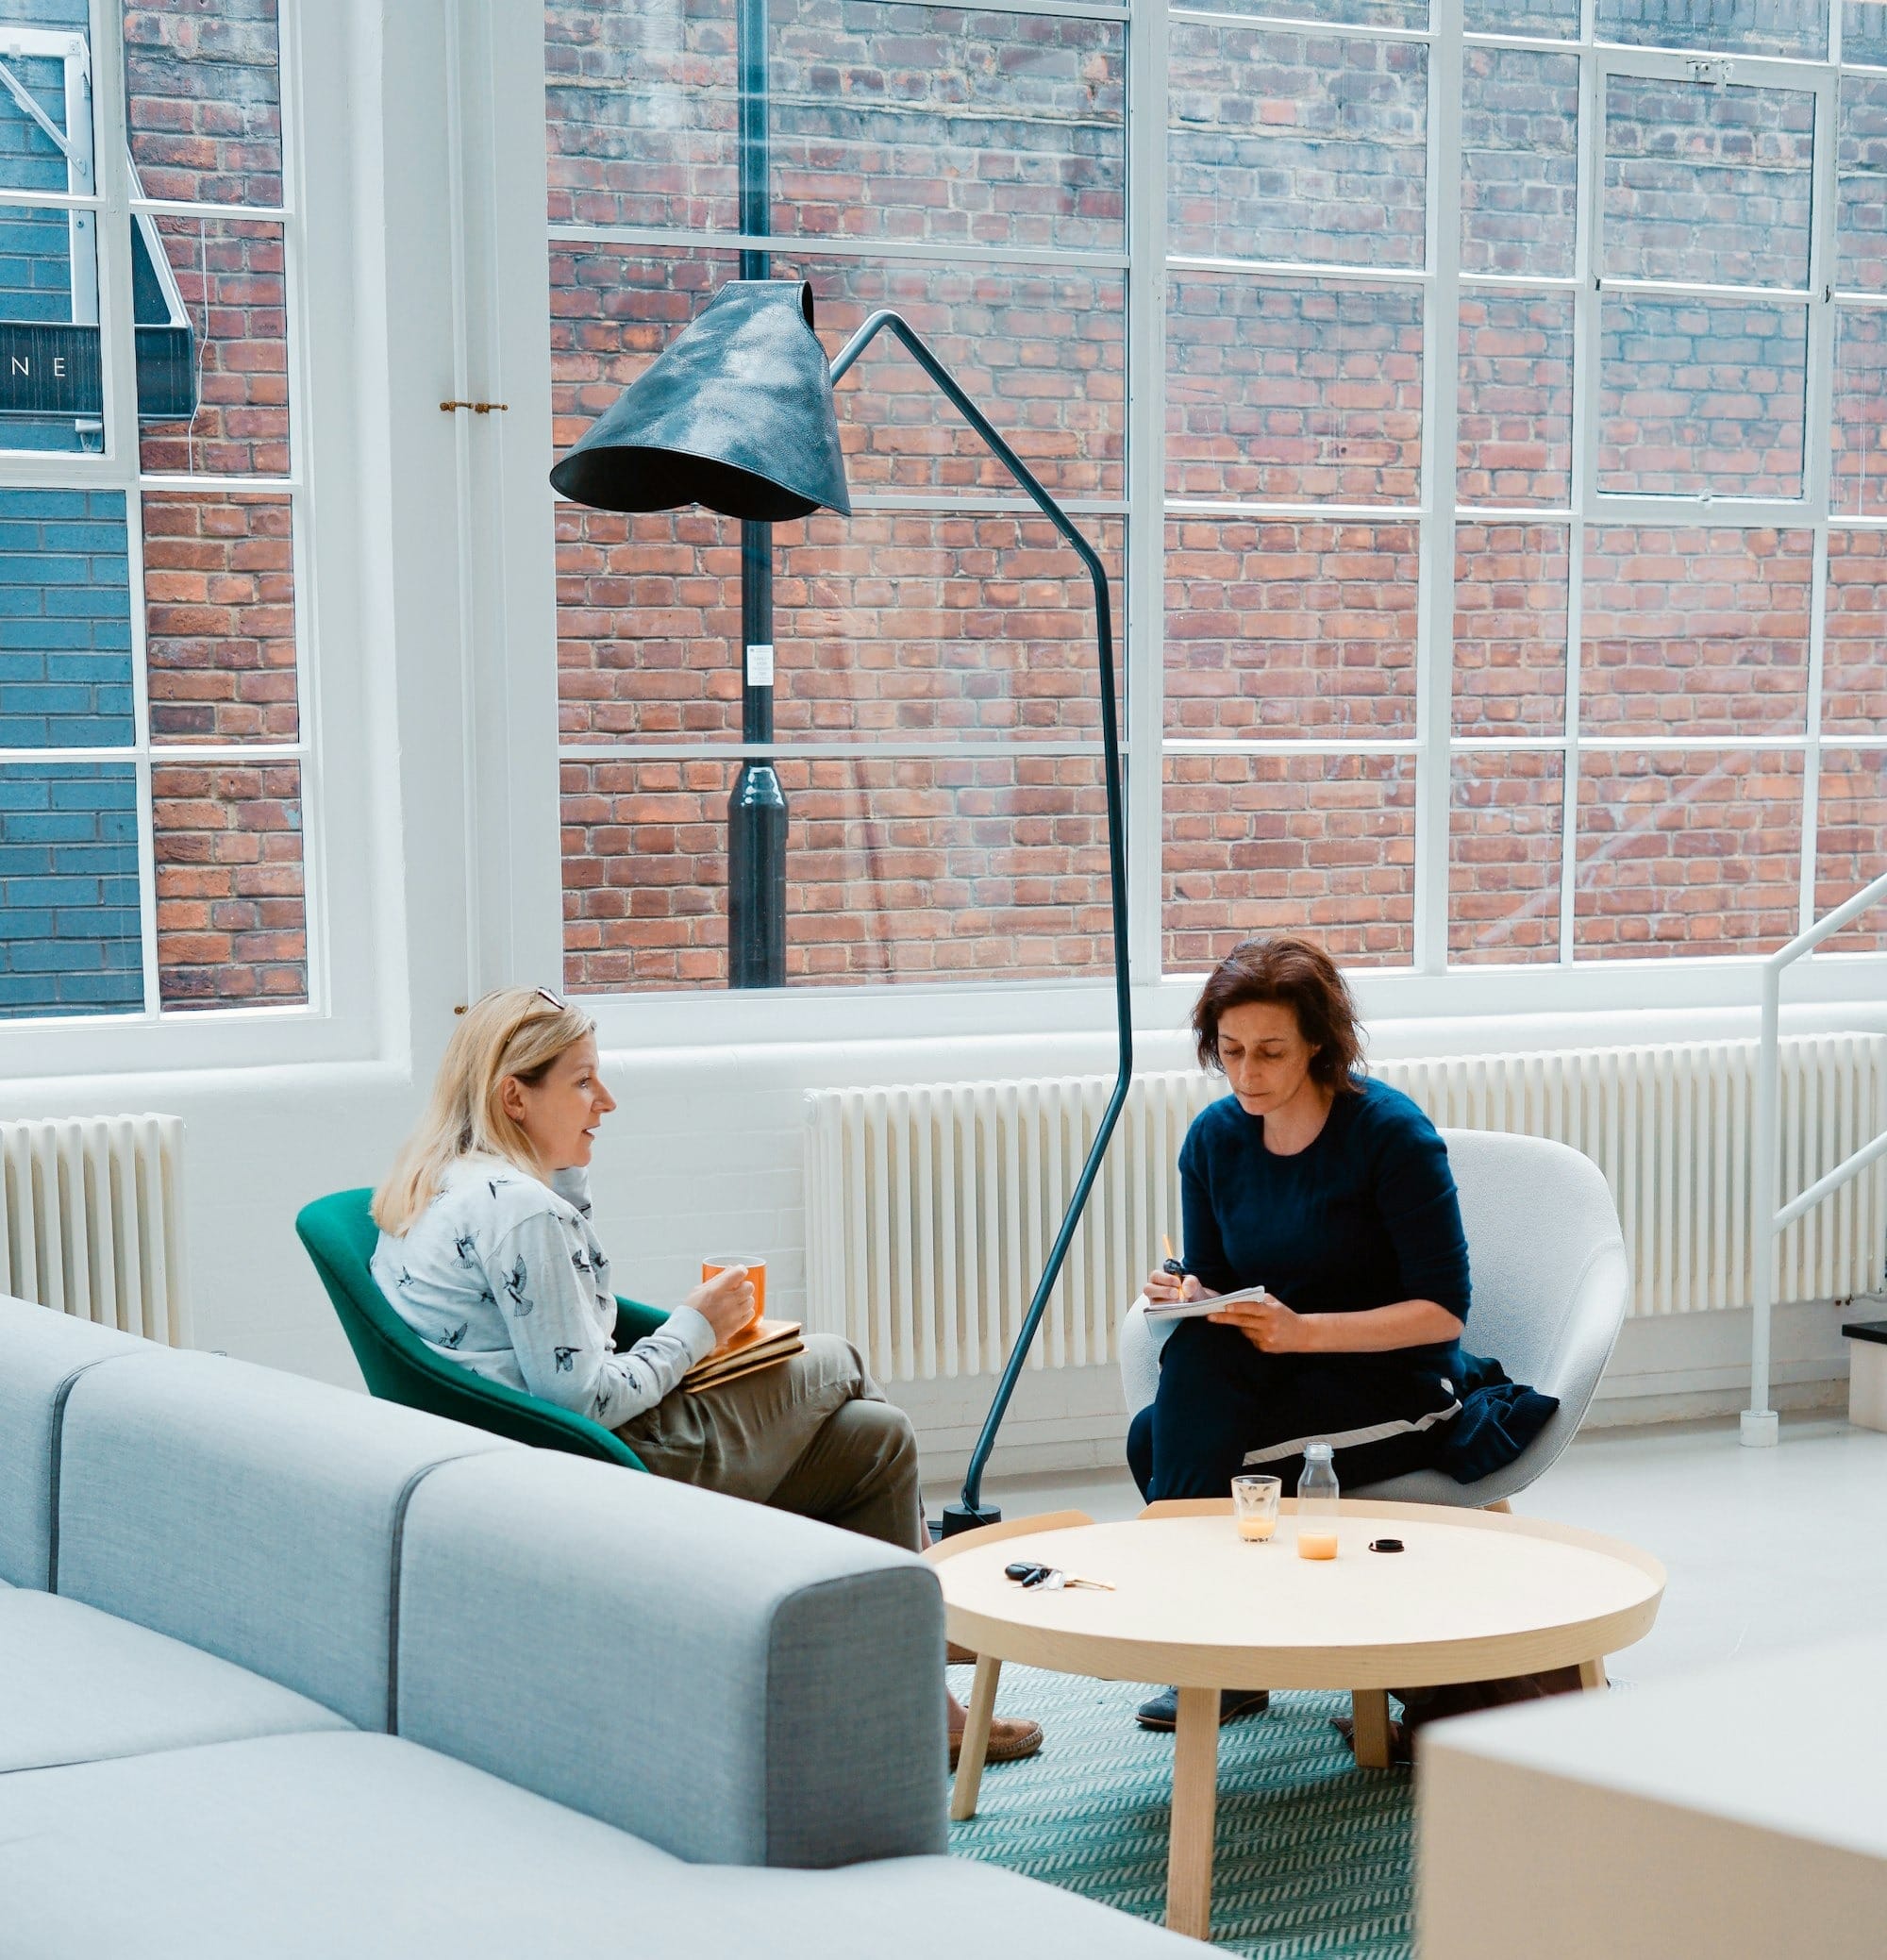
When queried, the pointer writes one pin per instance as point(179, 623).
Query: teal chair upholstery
point(339, 1235)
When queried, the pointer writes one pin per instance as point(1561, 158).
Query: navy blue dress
point(1365, 1216)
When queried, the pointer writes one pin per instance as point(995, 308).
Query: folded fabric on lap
point(1498, 1419)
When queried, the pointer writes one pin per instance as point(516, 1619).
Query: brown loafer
point(954, 1656)
point(1012, 1737)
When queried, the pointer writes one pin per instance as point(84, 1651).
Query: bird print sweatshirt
point(504, 1276)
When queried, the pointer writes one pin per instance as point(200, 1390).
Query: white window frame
point(338, 1021)
point(1429, 986)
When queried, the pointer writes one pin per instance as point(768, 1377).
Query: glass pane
point(232, 910)
point(46, 54)
point(1510, 582)
point(1505, 817)
point(1349, 13)
point(1694, 633)
point(1292, 391)
point(1702, 396)
point(1863, 33)
point(1295, 146)
point(65, 620)
point(1514, 431)
point(1539, 20)
point(1520, 168)
point(1854, 653)
point(1851, 842)
point(1861, 148)
point(52, 395)
point(973, 128)
point(1719, 26)
point(70, 938)
point(1324, 845)
point(1290, 629)
point(206, 99)
point(1705, 183)
point(1042, 352)
point(918, 625)
point(642, 112)
point(220, 618)
point(916, 869)
point(1688, 853)
point(1859, 446)
point(213, 383)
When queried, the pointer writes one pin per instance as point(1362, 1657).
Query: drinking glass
point(1255, 1506)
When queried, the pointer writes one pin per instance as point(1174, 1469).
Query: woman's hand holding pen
point(1163, 1287)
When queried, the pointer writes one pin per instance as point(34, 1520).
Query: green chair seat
point(339, 1235)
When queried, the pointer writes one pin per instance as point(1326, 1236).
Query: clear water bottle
point(1317, 1504)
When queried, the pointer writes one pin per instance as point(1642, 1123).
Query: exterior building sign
point(55, 370)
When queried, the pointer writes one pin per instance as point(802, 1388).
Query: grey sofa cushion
point(734, 1684)
point(308, 1847)
point(249, 1512)
point(40, 1350)
point(78, 1686)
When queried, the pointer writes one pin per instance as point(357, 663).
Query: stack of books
point(755, 1347)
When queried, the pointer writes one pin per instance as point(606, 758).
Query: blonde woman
point(488, 1253)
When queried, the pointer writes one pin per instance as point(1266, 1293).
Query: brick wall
point(69, 927)
point(1285, 143)
point(66, 630)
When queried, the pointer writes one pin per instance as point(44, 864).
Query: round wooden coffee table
point(1472, 1595)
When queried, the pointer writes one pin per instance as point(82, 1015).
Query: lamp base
point(960, 1517)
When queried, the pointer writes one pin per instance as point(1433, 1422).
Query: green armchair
point(339, 1234)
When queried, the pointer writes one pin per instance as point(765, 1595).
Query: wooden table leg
point(1593, 1674)
point(975, 1740)
point(1369, 1710)
point(1196, 1798)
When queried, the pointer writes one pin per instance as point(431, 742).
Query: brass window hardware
point(477, 407)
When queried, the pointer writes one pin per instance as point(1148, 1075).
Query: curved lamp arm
point(970, 1513)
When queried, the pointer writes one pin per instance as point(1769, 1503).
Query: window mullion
point(1441, 363)
point(1143, 633)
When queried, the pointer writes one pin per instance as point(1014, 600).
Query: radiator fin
point(92, 1221)
point(931, 1209)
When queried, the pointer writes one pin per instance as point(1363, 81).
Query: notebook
point(755, 1348)
point(1197, 1309)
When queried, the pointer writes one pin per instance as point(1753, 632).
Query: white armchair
point(1550, 1287)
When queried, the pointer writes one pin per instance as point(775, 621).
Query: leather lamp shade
point(736, 414)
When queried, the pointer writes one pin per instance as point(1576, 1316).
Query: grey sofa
point(287, 1671)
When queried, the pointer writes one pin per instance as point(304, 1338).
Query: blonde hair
point(512, 1031)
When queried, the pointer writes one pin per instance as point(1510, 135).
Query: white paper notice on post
point(760, 666)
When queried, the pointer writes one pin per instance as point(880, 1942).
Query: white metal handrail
point(1760, 1426)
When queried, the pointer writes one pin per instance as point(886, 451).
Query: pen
point(1176, 1266)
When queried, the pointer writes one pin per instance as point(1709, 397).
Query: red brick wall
point(204, 102)
point(1285, 143)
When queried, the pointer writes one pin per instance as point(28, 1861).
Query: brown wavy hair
point(1300, 974)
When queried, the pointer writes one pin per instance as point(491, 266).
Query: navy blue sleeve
point(1203, 1247)
point(1415, 1193)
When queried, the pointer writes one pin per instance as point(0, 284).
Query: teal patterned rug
point(1313, 1854)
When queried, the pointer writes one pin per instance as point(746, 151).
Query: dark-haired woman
point(1333, 1193)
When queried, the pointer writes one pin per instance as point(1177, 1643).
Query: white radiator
point(929, 1210)
point(91, 1221)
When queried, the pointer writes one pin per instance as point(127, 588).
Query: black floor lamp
point(738, 415)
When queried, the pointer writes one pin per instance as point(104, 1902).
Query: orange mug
point(756, 1272)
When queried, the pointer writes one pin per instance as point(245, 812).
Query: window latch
point(477, 407)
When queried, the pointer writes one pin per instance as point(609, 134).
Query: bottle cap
point(1316, 1453)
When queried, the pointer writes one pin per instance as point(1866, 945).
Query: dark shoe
point(1162, 1711)
point(1012, 1737)
point(1401, 1746)
point(954, 1656)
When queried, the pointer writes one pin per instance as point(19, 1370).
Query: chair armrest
point(634, 1321)
point(733, 1684)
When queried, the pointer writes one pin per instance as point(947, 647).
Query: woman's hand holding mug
point(725, 1302)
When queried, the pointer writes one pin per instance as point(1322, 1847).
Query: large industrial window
point(151, 744)
point(1482, 405)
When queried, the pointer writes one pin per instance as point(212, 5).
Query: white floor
point(1765, 1548)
